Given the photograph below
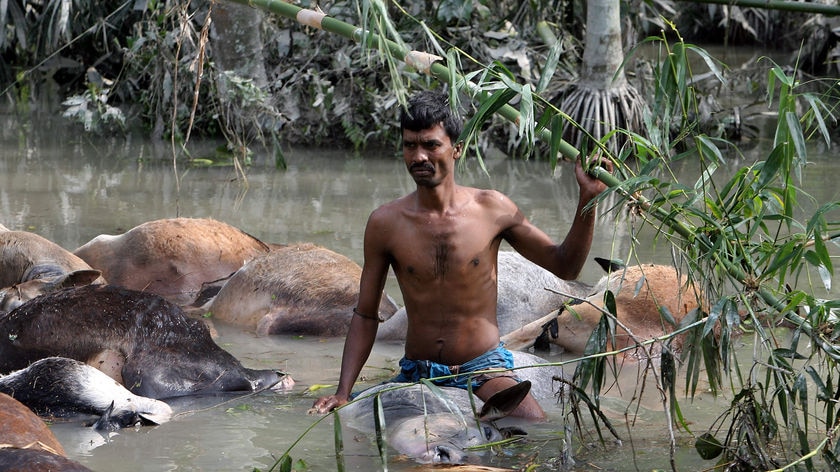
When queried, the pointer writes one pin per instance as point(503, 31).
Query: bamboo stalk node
point(422, 61)
point(310, 18)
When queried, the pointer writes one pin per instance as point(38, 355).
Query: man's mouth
point(422, 169)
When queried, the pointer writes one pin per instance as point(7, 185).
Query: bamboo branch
point(801, 7)
point(736, 272)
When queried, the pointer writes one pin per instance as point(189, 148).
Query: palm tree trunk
point(601, 100)
point(602, 54)
point(238, 44)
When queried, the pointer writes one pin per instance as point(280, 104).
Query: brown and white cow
point(172, 257)
point(31, 265)
point(28, 444)
point(300, 289)
point(642, 292)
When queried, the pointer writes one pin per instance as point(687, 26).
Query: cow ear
point(511, 431)
point(78, 278)
point(503, 402)
point(610, 265)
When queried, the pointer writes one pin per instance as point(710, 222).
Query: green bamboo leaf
point(550, 66)
point(771, 85)
point(691, 353)
point(380, 431)
point(595, 412)
point(710, 62)
point(703, 181)
point(816, 104)
point(667, 370)
point(779, 73)
point(714, 314)
point(784, 256)
point(556, 138)
point(771, 167)
point(830, 457)
point(731, 314)
point(823, 393)
point(825, 268)
point(800, 391)
point(636, 290)
point(689, 318)
point(708, 446)
point(285, 463)
point(796, 135)
point(443, 397)
point(526, 114)
point(338, 439)
point(712, 362)
point(665, 313)
point(452, 73)
point(589, 368)
point(787, 354)
point(489, 106)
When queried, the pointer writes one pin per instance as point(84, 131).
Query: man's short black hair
point(428, 108)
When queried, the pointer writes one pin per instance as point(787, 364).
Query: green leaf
point(796, 135)
point(285, 463)
point(665, 313)
point(787, 353)
point(489, 106)
point(380, 431)
point(550, 66)
point(338, 439)
point(708, 446)
point(556, 138)
point(770, 168)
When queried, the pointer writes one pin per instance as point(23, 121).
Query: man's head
point(428, 108)
point(429, 134)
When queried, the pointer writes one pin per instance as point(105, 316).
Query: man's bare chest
point(441, 251)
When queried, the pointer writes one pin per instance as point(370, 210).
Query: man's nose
point(418, 155)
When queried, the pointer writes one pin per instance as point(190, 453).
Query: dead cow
point(31, 265)
point(641, 293)
point(28, 444)
point(300, 289)
point(139, 339)
point(433, 426)
point(62, 387)
point(172, 257)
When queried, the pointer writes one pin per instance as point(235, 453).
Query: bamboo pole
point(424, 62)
point(800, 7)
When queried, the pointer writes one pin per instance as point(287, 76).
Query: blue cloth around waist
point(414, 370)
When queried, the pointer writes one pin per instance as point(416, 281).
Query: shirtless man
point(442, 242)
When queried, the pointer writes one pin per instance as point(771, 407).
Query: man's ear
point(459, 147)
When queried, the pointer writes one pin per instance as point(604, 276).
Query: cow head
point(16, 295)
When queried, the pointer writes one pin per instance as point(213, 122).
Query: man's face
point(429, 155)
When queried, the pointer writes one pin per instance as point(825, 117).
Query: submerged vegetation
point(760, 250)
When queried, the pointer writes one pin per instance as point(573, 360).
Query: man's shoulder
point(388, 210)
point(393, 204)
point(491, 198)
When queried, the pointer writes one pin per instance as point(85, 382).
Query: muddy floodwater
point(70, 189)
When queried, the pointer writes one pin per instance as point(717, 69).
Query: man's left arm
point(566, 259)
